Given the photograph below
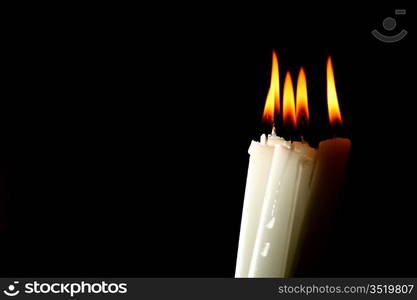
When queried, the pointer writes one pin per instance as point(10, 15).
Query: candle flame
point(332, 102)
point(288, 103)
point(302, 114)
point(272, 104)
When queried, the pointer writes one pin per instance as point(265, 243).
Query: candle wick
point(273, 132)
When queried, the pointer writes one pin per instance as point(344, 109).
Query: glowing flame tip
point(272, 104)
point(288, 104)
point(332, 102)
point(302, 112)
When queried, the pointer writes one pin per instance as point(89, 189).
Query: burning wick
point(301, 111)
point(295, 108)
point(288, 104)
point(272, 104)
point(335, 117)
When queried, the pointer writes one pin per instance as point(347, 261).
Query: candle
point(287, 192)
point(258, 173)
point(327, 179)
point(333, 153)
point(289, 184)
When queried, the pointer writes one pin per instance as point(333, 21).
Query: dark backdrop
point(125, 137)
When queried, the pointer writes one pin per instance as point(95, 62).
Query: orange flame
point(288, 103)
point(302, 114)
point(332, 102)
point(272, 105)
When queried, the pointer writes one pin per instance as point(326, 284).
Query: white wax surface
point(284, 207)
point(258, 173)
point(302, 182)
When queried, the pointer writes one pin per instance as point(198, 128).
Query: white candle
point(258, 173)
point(283, 210)
point(286, 184)
point(285, 203)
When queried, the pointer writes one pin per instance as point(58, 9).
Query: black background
point(125, 137)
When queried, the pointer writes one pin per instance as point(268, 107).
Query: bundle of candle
point(286, 179)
